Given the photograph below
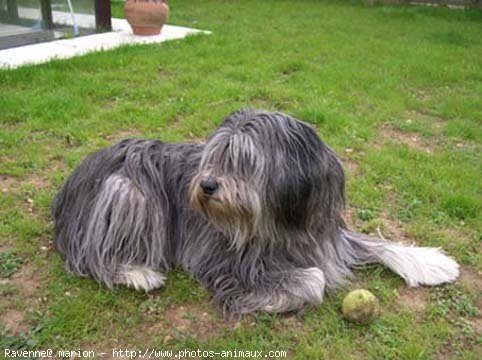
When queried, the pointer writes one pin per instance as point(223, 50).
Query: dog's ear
point(307, 178)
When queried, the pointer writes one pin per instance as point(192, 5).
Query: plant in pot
point(146, 17)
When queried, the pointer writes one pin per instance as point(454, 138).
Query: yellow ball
point(360, 307)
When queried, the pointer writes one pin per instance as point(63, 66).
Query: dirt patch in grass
point(123, 134)
point(11, 184)
point(175, 121)
point(193, 320)
point(413, 299)
point(293, 323)
point(477, 325)
point(13, 321)
point(412, 139)
point(437, 121)
point(392, 228)
point(350, 217)
point(26, 285)
point(111, 103)
point(195, 139)
point(349, 164)
point(26, 281)
point(260, 102)
point(380, 226)
point(38, 181)
point(473, 280)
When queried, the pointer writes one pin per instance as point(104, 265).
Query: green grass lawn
point(396, 91)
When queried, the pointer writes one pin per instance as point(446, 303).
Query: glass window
point(25, 22)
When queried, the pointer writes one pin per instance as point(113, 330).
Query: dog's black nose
point(209, 185)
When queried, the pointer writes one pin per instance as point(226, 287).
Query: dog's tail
point(416, 265)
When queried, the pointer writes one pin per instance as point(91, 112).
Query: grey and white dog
point(255, 214)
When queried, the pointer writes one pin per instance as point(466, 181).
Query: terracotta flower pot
point(146, 17)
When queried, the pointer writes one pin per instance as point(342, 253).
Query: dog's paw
point(307, 287)
point(141, 278)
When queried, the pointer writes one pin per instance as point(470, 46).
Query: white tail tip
point(420, 265)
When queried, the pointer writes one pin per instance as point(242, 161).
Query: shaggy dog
point(255, 214)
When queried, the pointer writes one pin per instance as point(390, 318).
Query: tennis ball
point(360, 307)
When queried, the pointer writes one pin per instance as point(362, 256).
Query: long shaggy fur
point(269, 237)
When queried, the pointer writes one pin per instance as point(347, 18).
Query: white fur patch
point(141, 278)
point(309, 290)
point(313, 285)
point(419, 265)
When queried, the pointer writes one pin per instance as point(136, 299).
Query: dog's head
point(261, 172)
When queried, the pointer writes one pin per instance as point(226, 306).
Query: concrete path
point(67, 48)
